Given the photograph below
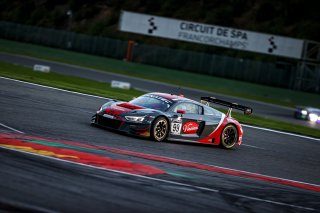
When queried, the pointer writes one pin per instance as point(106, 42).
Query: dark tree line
point(293, 18)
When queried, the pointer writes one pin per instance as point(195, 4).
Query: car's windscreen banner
point(210, 34)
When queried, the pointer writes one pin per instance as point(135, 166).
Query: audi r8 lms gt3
point(307, 113)
point(162, 116)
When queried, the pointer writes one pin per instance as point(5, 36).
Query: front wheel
point(159, 129)
point(229, 136)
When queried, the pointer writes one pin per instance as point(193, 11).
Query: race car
point(307, 113)
point(162, 116)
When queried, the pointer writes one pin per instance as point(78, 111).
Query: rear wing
point(246, 110)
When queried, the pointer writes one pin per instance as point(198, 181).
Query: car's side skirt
point(188, 141)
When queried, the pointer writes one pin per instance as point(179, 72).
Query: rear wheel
point(229, 136)
point(159, 129)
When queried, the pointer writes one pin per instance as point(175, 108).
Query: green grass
point(273, 95)
point(66, 82)
point(104, 89)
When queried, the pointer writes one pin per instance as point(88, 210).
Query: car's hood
point(127, 108)
point(118, 108)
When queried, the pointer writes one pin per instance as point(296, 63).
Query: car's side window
point(208, 111)
point(211, 111)
point(190, 108)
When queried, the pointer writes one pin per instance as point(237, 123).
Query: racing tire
point(229, 136)
point(159, 129)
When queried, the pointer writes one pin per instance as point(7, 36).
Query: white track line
point(13, 129)
point(94, 96)
point(253, 173)
point(168, 181)
point(48, 87)
point(281, 132)
point(256, 147)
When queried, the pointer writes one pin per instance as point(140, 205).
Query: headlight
point(304, 112)
point(313, 117)
point(137, 119)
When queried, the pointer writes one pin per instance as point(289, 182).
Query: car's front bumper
point(140, 129)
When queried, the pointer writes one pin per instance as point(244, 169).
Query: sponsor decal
point(175, 128)
point(190, 127)
point(160, 98)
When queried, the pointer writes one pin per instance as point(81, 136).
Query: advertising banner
point(210, 35)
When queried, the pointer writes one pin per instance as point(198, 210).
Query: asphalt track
point(33, 183)
point(260, 108)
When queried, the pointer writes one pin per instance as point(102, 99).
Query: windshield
point(152, 102)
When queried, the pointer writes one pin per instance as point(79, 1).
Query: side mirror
point(181, 111)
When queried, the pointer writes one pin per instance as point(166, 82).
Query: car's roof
point(315, 110)
point(310, 109)
point(178, 98)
